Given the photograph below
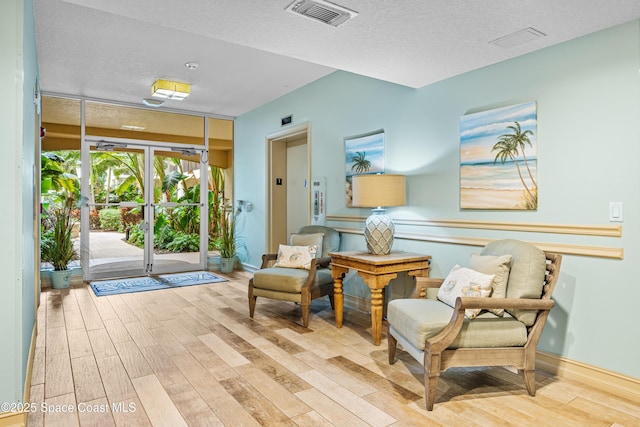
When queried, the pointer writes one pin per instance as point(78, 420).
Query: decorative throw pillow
point(464, 282)
point(295, 256)
point(313, 239)
point(498, 266)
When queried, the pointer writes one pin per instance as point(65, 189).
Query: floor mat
point(149, 283)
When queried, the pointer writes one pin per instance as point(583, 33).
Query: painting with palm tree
point(364, 154)
point(498, 159)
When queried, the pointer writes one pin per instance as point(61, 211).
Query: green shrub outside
point(136, 237)
point(183, 242)
point(130, 217)
point(167, 239)
point(94, 220)
point(110, 219)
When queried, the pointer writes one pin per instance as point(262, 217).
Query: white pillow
point(464, 282)
point(295, 256)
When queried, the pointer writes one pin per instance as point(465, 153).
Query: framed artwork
point(498, 158)
point(364, 154)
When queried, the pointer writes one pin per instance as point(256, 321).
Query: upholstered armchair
point(280, 280)
point(488, 314)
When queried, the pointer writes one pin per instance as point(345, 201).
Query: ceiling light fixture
point(192, 65)
point(168, 89)
point(150, 102)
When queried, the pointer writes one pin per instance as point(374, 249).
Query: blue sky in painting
point(372, 146)
point(480, 131)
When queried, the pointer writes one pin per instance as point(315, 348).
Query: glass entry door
point(116, 209)
point(179, 231)
point(143, 212)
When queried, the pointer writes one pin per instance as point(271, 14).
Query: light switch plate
point(615, 211)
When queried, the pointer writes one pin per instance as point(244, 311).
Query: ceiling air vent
point(518, 38)
point(322, 11)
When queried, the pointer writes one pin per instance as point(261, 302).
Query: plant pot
point(60, 279)
point(227, 264)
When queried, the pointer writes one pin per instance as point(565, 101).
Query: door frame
point(276, 156)
point(149, 148)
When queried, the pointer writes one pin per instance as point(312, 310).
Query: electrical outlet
point(615, 211)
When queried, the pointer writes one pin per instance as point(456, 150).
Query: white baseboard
point(601, 379)
point(249, 268)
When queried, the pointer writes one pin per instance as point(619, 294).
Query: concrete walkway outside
point(109, 253)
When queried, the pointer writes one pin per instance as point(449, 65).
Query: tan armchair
point(295, 284)
point(441, 337)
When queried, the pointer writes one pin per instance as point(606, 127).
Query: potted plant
point(57, 244)
point(227, 243)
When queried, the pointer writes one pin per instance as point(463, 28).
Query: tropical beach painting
point(498, 159)
point(364, 155)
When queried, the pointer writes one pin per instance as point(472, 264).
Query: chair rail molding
point(577, 229)
point(593, 251)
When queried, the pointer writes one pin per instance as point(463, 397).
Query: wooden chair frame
point(438, 357)
point(308, 292)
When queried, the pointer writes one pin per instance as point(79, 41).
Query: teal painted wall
point(588, 97)
point(18, 69)
point(30, 134)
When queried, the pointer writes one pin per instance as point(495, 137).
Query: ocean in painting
point(487, 175)
point(487, 186)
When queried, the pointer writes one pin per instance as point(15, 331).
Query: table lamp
point(377, 192)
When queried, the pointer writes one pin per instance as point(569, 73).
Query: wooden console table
point(376, 271)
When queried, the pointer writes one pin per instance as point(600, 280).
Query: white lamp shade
point(370, 191)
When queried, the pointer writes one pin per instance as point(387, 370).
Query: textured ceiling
point(253, 51)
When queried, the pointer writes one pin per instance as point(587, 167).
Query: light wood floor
point(192, 356)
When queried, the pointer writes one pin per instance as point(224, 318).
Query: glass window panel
point(117, 121)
